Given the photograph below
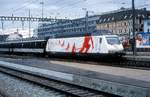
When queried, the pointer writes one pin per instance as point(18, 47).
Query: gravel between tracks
point(14, 87)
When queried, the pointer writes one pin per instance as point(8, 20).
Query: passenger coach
point(23, 46)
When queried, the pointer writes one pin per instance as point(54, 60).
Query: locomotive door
point(97, 45)
point(100, 44)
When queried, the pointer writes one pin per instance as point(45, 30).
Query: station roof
point(124, 14)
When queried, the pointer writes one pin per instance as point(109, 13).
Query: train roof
point(23, 40)
point(80, 34)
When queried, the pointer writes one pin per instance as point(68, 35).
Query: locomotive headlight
point(111, 51)
point(115, 48)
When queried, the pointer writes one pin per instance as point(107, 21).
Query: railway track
point(68, 89)
point(14, 87)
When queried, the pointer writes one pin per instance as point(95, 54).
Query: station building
point(67, 26)
point(118, 22)
point(3, 37)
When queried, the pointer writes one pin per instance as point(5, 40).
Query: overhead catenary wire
point(63, 6)
point(21, 6)
point(69, 5)
point(77, 5)
point(137, 7)
point(26, 5)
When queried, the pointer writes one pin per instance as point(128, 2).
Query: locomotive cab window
point(112, 40)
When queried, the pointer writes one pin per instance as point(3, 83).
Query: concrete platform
point(121, 81)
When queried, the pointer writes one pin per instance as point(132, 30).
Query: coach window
point(31, 45)
point(148, 30)
point(19, 45)
point(41, 43)
point(24, 45)
point(35, 44)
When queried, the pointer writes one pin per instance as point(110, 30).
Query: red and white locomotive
point(100, 45)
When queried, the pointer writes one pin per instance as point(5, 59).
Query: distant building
point(147, 25)
point(24, 32)
point(14, 36)
point(3, 37)
point(118, 22)
point(35, 33)
point(67, 26)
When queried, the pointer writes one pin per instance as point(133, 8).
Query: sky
point(62, 8)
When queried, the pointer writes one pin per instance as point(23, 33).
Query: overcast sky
point(61, 8)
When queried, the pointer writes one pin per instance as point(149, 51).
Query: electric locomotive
point(89, 44)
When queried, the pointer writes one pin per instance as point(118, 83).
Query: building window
point(125, 16)
point(112, 18)
point(147, 30)
point(104, 20)
point(124, 23)
point(140, 20)
point(107, 25)
point(148, 23)
point(125, 31)
point(136, 29)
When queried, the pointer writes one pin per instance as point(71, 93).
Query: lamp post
point(2, 24)
point(133, 26)
point(42, 4)
point(86, 19)
point(29, 24)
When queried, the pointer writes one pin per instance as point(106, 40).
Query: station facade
point(118, 22)
point(147, 25)
point(67, 26)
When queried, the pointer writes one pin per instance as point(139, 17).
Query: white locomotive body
point(102, 44)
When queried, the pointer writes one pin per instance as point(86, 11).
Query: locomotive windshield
point(112, 40)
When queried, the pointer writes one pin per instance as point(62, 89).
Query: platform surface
point(117, 74)
point(122, 81)
point(143, 75)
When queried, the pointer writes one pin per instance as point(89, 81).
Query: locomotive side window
point(112, 40)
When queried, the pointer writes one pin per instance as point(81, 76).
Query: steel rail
point(67, 88)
